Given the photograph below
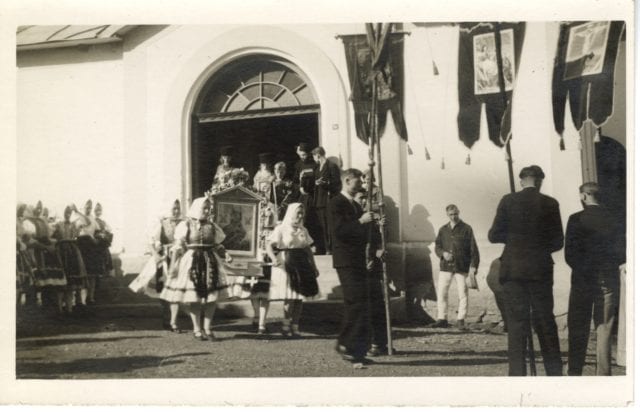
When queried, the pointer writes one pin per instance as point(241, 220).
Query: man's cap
point(226, 150)
point(304, 147)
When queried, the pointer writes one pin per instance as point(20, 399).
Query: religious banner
point(479, 79)
point(584, 69)
point(388, 74)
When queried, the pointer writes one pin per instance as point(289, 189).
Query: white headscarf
point(169, 213)
point(196, 208)
point(291, 215)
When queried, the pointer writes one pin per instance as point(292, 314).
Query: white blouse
point(284, 237)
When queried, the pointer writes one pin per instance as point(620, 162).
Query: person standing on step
point(459, 257)
point(304, 178)
point(294, 272)
point(327, 185)
point(222, 176)
point(284, 191)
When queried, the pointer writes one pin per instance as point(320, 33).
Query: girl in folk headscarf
point(24, 265)
point(92, 254)
point(66, 234)
point(153, 277)
point(196, 276)
point(294, 272)
point(48, 271)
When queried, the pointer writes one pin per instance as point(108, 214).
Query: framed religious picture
point(239, 221)
point(485, 66)
point(586, 49)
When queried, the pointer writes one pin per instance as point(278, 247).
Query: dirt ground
point(123, 342)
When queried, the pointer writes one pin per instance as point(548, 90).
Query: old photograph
point(380, 204)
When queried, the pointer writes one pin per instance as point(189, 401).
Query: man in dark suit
point(595, 251)
point(529, 225)
point(350, 227)
point(327, 185)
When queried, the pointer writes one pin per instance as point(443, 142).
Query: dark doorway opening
point(249, 137)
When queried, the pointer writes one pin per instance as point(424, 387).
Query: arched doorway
point(257, 103)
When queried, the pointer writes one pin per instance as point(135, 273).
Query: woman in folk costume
point(92, 254)
point(264, 176)
point(104, 237)
point(48, 271)
point(24, 265)
point(284, 191)
point(294, 272)
point(224, 169)
point(154, 275)
point(196, 275)
point(66, 234)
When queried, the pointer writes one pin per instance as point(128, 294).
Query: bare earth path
point(120, 342)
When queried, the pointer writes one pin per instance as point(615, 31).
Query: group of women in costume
point(61, 258)
point(187, 268)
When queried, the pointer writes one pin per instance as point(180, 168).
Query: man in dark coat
point(327, 185)
point(529, 225)
point(304, 178)
point(350, 227)
point(595, 251)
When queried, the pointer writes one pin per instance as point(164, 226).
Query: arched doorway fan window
point(256, 104)
point(255, 84)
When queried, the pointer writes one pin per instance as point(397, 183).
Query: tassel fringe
point(468, 161)
point(442, 164)
point(562, 143)
point(580, 143)
point(506, 155)
point(596, 136)
point(427, 156)
point(435, 68)
point(409, 149)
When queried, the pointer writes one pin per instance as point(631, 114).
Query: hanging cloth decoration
point(584, 69)
point(388, 72)
point(478, 80)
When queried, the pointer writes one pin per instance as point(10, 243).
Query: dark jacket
point(304, 175)
point(349, 235)
point(595, 245)
point(330, 185)
point(529, 225)
point(461, 243)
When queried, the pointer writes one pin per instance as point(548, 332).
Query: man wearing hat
point(529, 225)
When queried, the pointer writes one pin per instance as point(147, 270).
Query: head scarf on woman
point(290, 216)
point(195, 211)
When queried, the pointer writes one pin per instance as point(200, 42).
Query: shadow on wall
point(419, 284)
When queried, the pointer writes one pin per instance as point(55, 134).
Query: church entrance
point(257, 104)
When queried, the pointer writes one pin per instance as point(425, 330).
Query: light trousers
point(444, 281)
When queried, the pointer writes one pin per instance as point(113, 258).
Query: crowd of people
point(322, 210)
point(60, 261)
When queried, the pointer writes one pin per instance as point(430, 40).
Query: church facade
point(133, 117)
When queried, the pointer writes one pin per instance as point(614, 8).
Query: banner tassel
point(562, 143)
point(468, 161)
point(506, 154)
point(442, 164)
point(435, 68)
point(427, 156)
point(409, 149)
point(580, 143)
point(596, 136)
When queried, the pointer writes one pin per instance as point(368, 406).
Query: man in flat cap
point(529, 225)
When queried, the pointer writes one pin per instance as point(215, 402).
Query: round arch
point(236, 43)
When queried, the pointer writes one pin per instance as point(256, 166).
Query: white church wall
point(70, 132)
